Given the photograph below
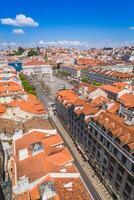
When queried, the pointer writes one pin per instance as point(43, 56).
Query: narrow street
point(92, 182)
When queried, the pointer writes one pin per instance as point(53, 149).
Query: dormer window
point(36, 147)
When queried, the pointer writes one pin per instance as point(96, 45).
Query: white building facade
point(39, 69)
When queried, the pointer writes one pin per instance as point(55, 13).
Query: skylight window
point(23, 154)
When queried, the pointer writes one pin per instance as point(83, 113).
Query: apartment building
point(38, 68)
point(20, 110)
point(43, 168)
point(73, 70)
point(107, 76)
point(127, 107)
point(106, 139)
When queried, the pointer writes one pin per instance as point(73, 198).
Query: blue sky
point(90, 23)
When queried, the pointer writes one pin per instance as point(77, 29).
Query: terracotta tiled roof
point(114, 108)
point(67, 95)
point(120, 84)
point(2, 109)
point(31, 105)
point(115, 125)
point(34, 62)
point(48, 162)
point(52, 158)
point(111, 88)
point(79, 102)
point(66, 188)
point(127, 100)
point(99, 100)
point(88, 109)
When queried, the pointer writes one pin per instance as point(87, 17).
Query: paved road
point(57, 84)
point(43, 97)
point(94, 185)
point(92, 182)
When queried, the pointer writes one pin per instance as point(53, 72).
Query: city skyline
point(83, 24)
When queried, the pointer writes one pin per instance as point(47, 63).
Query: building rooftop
point(34, 62)
point(40, 156)
point(127, 99)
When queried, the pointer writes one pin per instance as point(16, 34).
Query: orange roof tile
point(127, 100)
point(114, 108)
point(110, 88)
point(34, 62)
point(99, 100)
point(115, 125)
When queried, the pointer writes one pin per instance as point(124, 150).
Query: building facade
point(37, 68)
point(107, 143)
point(107, 76)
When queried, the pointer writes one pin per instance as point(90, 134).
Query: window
point(121, 169)
point(128, 188)
point(119, 178)
point(96, 132)
point(112, 160)
point(89, 143)
point(111, 169)
point(36, 147)
point(117, 186)
point(101, 138)
point(108, 144)
point(130, 179)
point(124, 159)
point(23, 154)
point(105, 161)
point(115, 151)
point(93, 149)
point(132, 168)
point(126, 197)
point(110, 177)
point(98, 154)
point(94, 141)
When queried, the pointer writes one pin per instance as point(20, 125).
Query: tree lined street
point(91, 180)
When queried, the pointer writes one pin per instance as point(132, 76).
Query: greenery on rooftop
point(26, 85)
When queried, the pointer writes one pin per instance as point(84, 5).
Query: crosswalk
point(98, 185)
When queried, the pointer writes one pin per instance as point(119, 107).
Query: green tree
point(84, 79)
point(38, 49)
point(32, 52)
point(96, 83)
point(20, 51)
point(65, 73)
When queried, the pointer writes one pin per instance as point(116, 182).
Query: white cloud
point(20, 20)
point(131, 28)
point(12, 44)
point(4, 43)
point(18, 31)
point(7, 44)
point(41, 42)
point(64, 43)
